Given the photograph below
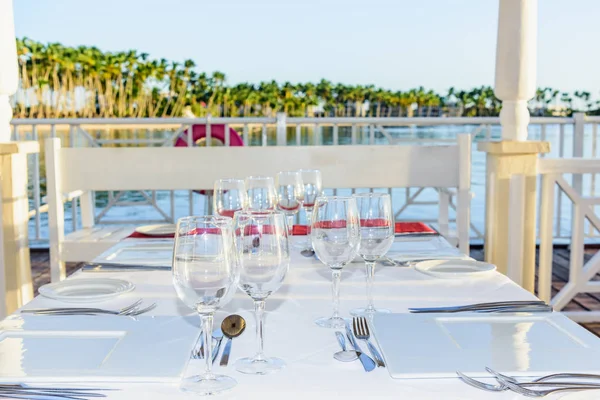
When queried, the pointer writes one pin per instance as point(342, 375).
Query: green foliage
point(66, 82)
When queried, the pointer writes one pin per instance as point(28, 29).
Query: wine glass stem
point(259, 309)
point(207, 326)
point(336, 273)
point(308, 226)
point(370, 274)
point(290, 224)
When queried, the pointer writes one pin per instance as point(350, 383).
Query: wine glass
point(261, 241)
point(205, 276)
point(311, 178)
point(376, 238)
point(261, 193)
point(229, 196)
point(290, 195)
point(335, 237)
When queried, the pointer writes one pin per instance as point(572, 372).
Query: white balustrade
point(97, 132)
point(582, 274)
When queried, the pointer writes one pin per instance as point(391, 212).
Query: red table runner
point(299, 230)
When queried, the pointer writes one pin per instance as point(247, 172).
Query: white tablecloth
point(311, 371)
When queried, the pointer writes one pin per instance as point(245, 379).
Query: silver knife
point(112, 267)
point(226, 352)
point(217, 348)
point(367, 362)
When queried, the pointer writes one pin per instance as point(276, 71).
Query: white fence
point(570, 137)
point(562, 176)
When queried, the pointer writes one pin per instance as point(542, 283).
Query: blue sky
point(397, 44)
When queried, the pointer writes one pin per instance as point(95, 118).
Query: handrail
point(421, 121)
point(568, 166)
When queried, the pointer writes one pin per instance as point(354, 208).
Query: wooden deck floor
point(560, 275)
point(560, 270)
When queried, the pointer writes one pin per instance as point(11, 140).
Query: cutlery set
point(540, 387)
point(231, 327)
point(17, 391)
point(358, 331)
point(129, 311)
point(495, 307)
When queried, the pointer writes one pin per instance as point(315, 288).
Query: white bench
point(163, 168)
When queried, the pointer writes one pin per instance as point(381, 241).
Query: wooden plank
point(198, 168)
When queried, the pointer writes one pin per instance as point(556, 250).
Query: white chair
point(83, 170)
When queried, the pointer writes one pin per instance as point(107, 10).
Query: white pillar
point(281, 129)
point(9, 72)
point(516, 57)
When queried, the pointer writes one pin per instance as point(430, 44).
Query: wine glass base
point(331, 322)
point(259, 367)
point(360, 312)
point(201, 385)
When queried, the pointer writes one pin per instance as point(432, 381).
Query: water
point(137, 214)
point(203, 283)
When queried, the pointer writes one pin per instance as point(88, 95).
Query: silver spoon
point(344, 355)
point(232, 327)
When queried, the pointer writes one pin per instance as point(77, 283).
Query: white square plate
point(95, 348)
point(438, 345)
point(151, 252)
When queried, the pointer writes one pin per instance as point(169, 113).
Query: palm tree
point(61, 81)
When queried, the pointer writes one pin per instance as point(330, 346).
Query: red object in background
point(414, 227)
point(217, 132)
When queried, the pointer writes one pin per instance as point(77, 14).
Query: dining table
point(291, 334)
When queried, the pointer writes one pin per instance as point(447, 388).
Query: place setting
point(251, 244)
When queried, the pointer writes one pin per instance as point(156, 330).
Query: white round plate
point(157, 230)
point(451, 269)
point(86, 290)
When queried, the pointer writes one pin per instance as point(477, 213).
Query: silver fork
point(500, 387)
point(136, 312)
point(129, 311)
point(59, 310)
point(199, 352)
point(550, 377)
point(361, 331)
point(545, 392)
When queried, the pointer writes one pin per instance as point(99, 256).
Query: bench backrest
point(171, 168)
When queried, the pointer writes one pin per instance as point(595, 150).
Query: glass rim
point(309, 170)
point(252, 213)
point(207, 218)
point(227, 180)
point(295, 172)
point(334, 198)
point(371, 194)
point(259, 177)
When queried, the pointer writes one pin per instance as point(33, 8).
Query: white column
point(516, 57)
point(281, 129)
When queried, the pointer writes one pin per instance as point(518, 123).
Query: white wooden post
point(281, 129)
point(578, 133)
point(511, 196)
point(9, 72)
point(516, 64)
point(504, 160)
point(56, 215)
point(16, 281)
